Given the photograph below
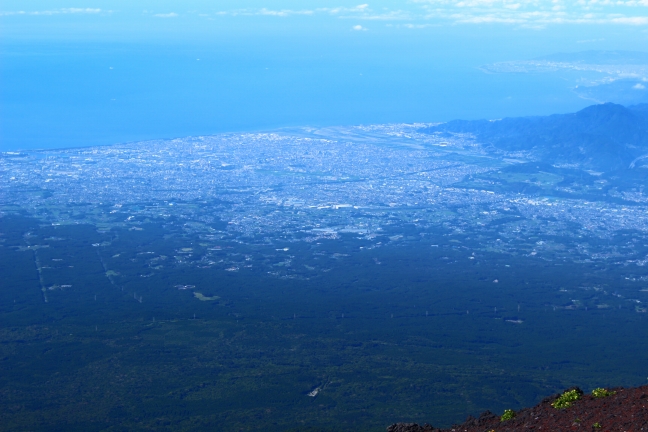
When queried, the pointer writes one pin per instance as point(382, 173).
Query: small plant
point(601, 393)
point(508, 415)
point(566, 399)
point(596, 425)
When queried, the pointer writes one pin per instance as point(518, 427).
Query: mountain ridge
point(607, 137)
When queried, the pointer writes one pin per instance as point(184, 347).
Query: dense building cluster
point(312, 184)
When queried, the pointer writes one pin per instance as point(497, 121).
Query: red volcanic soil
point(626, 410)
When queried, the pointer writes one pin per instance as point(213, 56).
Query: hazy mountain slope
point(641, 109)
point(603, 137)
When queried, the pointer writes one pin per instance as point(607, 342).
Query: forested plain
point(417, 330)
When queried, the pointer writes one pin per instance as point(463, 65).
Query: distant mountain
point(605, 137)
point(599, 57)
point(618, 64)
point(624, 91)
point(597, 76)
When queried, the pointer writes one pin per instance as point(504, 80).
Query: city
point(312, 184)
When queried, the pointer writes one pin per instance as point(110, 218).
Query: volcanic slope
point(620, 409)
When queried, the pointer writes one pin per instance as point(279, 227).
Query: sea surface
point(71, 94)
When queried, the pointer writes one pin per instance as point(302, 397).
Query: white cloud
point(338, 10)
point(590, 41)
point(81, 10)
point(57, 11)
point(362, 11)
point(266, 12)
point(284, 12)
point(358, 28)
point(387, 16)
point(639, 86)
point(638, 20)
point(420, 13)
point(536, 13)
point(526, 13)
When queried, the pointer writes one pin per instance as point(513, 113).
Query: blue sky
point(98, 72)
point(409, 14)
point(129, 18)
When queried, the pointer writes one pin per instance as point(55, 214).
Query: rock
point(411, 427)
point(485, 417)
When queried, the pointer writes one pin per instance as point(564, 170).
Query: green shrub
point(508, 415)
point(596, 425)
point(566, 399)
point(601, 393)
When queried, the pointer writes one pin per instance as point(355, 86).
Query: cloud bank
point(538, 13)
point(57, 11)
point(535, 13)
point(417, 14)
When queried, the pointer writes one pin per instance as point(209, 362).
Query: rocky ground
point(618, 409)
